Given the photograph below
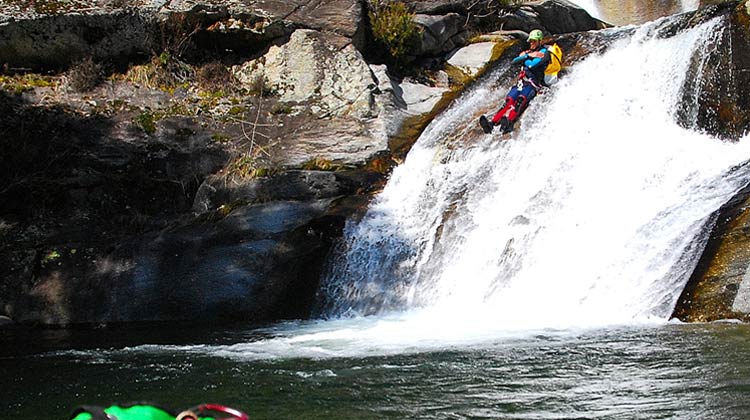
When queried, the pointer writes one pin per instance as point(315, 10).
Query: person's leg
point(510, 102)
point(524, 97)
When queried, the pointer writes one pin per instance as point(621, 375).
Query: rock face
point(246, 263)
point(57, 41)
point(120, 35)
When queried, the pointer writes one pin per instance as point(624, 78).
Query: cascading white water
point(592, 215)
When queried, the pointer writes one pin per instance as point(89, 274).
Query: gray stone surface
point(441, 33)
point(309, 67)
point(474, 58)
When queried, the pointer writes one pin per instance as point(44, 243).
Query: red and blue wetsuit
point(530, 80)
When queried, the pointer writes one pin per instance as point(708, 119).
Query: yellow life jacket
point(555, 62)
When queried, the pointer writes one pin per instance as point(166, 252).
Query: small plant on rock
point(164, 72)
point(147, 121)
point(246, 166)
point(394, 28)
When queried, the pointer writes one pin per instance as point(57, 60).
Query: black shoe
point(486, 124)
point(505, 125)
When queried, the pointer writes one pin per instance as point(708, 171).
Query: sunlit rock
point(473, 58)
point(310, 67)
point(720, 286)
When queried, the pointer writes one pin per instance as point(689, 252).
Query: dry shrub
point(85, 75)
point(163, 72)
point(214, 76)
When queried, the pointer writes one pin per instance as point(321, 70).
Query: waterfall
point(593, 213)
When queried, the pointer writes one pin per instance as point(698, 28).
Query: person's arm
point(521, 58)
point(538, 59)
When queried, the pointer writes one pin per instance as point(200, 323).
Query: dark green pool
point(660, 372)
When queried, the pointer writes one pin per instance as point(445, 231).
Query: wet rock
point(715, 98)
point(244, 265)
point(716, 101)
point(720, 285)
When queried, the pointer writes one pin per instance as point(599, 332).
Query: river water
point(531, 278)
point(665, 372)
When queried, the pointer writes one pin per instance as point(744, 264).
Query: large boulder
point(441, 33)
point(341, 141)
point(552, 16)
point(341, 17)
point(562, 16)
point(473, 59)
point(311, 68)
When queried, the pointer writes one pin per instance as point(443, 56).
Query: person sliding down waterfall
point(541, 63)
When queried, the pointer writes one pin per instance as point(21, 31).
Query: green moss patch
point(147, 121)
point(26, 82)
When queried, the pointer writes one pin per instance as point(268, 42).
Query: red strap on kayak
point(236, 414)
